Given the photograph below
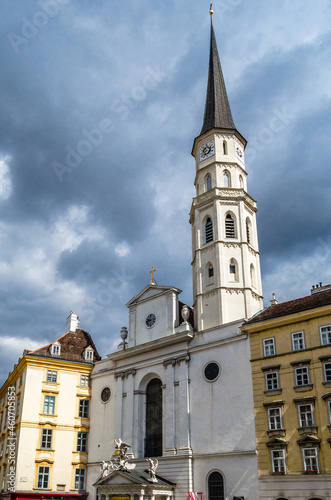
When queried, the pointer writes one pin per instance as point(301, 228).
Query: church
point(172, 409)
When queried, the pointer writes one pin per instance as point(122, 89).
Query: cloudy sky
point(100, 103)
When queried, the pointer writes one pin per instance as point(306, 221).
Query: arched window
point(215, 486)
point(153, 435)
point(209, 230)
point(248, 230)
point(233, 270)
point(208, 182)
point(226, 179)
point(229, 227)
point(210, 274)
point(252, 272)
point(225, 148)
point(241, 182)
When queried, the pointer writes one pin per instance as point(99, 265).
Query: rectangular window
point(325, 334)
point(43, 477)
point(327, 372)
point(18, 406)
point(298, 341)
point(85, 380)
point(21, 378)
point(49, 405)
point(302, 376)
point(269, 347)
point(79, 479)
point(271, 381)
point(306, 415)
point(329, 410)
point(310, 461)
point(278, 461)
point(46, 439)
point(83, 408)
point(275, 418)
point(51, 376)
point(82, 441)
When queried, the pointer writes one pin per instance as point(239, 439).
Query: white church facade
point(179, 387)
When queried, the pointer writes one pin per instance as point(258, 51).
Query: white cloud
point(5, 181)
point(15, 345)
point(122, 249)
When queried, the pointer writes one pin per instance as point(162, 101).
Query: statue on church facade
point(153, 463)
point(120, 460)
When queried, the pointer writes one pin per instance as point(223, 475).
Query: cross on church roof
point(152, 282)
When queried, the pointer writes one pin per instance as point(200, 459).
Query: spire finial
point(211, 12)
point(152, 282)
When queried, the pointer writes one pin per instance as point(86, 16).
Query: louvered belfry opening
point(153, 435)
point(248, 236)
point(209, 230)
point(215, 486)
point(229, 227)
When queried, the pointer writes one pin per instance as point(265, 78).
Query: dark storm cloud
point(100, 103)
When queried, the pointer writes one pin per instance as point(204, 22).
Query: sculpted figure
point(153, 463)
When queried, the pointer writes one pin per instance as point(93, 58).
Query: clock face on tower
point(150, 320)
point(239, 152)
point(207, 150)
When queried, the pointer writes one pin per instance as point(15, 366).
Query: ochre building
point(291, 370)
point(45, 419)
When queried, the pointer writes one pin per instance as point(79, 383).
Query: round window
point(105, 395)
point(212, 371)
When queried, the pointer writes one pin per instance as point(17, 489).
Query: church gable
point(118, 477)
point(154, 314)
point(151, 291)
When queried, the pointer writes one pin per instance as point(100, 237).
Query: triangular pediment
point(118, 477)
point(277, 442)
point(308, 439)
point(151, 291)
point(132, 478)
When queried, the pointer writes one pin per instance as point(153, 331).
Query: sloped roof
point(292, 306)
point(73, 345)
point(150, 291)
point(217, 108)
point(138, 477)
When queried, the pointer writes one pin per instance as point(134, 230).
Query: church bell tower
point(225, 261)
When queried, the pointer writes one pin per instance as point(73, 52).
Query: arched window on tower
point(253, 278)
point(208, 182)
point(209, 230)
point(153, 433)
point(225, 148)
point(226, 179)
point(229, 227)
point(233, 270)
point(241, 182)
point(210, 274)
point(248, 230)
point(215, 486)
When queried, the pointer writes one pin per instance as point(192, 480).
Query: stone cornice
point(153, 345)
point(176, 360)
point(224, 194)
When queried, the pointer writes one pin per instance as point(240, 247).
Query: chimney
point(319, 288)
point(274, 301)
point(72, 322)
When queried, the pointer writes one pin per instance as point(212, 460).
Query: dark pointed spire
point(217, 108)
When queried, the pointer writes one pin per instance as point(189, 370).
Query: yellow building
point(291, 371)
point(44, 419)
